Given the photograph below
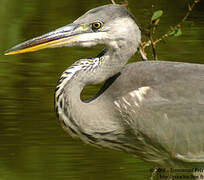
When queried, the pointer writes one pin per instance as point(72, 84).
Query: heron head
point(111, 25)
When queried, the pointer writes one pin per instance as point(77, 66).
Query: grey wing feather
point(164, 101)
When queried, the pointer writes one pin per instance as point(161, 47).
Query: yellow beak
point(65, 36)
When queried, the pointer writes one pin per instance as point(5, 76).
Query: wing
point(163, 102)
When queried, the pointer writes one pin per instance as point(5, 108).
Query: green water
point(32, 143)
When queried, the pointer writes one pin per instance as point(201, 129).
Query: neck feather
point(76, 115)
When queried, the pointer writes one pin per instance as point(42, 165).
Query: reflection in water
point(33, 145)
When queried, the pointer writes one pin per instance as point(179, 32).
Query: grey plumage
point(151, 109)
point(169, 119)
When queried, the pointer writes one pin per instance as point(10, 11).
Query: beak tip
point(8, 52)
point(14, 51)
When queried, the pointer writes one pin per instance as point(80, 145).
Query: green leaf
point(157, 14)
point(156, 22)
point(177, 32)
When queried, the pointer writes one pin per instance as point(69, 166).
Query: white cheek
point(112, 44)
point(91, 39)
point(87, 44)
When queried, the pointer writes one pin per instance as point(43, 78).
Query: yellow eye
point(96, 25)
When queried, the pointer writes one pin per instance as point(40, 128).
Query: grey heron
point(154, 110)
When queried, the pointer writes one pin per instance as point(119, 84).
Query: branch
point(173, 31)
point(124, 4)
point(113, 2)
point(153, 46)
point(142, 52)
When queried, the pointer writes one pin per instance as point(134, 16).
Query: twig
point(113, 2)
point(148, 43)
point(153, 46)
point(154, 172)
point(125, 3)
point(151, 32)
point(190, 8)
point(142, 52)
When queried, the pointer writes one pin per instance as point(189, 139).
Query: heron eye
point(96, 25)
